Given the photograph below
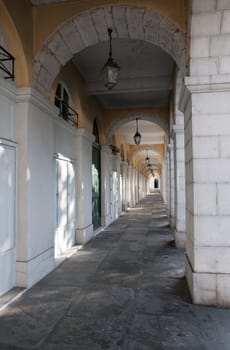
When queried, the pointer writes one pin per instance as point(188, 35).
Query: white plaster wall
point(64, 160)
point(35, 256)
point(83, 149)
point(8, 148)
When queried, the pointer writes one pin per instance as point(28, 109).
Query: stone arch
point(90, 27)
point(141, 149)
point(132, 116)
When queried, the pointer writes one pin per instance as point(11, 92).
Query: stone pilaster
point(106, 169)
point(84, 141)
point(124, 173)
point(179, 176)
point(171, 177)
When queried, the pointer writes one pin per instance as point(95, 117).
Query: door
point(96, 186)
point(65, 206)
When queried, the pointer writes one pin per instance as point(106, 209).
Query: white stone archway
point(125, 118)
point(90, 27)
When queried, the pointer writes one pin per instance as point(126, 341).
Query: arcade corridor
point(125, 289)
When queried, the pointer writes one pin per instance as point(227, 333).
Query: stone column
point(171, 177)
point(179, 171)
point(134, 186)
point(117, 168)
point(129, 186)
point(124, 171)
point(205, 102)
point(105, 184)
point(84, 141)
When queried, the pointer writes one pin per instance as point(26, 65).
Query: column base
point(30, 272)
point(172, 221)
point(105, 220)
point(180, 239)
point(83, 235)
point(208, 288)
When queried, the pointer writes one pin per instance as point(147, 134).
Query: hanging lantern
point(110, 71)
point(137, 136)
point(147, 159)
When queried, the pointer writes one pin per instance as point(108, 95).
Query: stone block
point(178, 45)
point(223, 290)
point(135, 22)
point(109, 19)
point(98, 17)
point(165, 35)
point(45, 78)
point(212, 259)
point(200, 46)
point(151, 26)
point(211, 170)
point(212, 103)
point(212, 125)
point(206, 147)
point(72, 37)
point(180, 170)
point(86, 29)
point(225, 27)
point(220, 45)
point(59, 49)
point(205, 199)
point(223, 5)
point(203, 6)
point(224, 65)
point(225, 146)
point(201, 23)
point(204, 66)
point(223, 192)
point(212, 231)
point(179, 140)
point(204, 288)
point(120, 21)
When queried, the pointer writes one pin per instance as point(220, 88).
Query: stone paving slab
point(124, 290)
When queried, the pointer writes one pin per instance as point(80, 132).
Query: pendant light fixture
point(137, 136)
point(147, 159)
point(111, 69)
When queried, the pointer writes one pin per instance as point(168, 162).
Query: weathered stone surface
point(59, 49)
point(72, 37)
point(120, 21)
point(98, 17)
point(86, 29)
point(135, 22)
point(151, 26)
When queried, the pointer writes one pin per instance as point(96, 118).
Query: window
point(62, 101)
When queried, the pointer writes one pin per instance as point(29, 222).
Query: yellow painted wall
point(87, 106)
point(45, 24)
point(17, 31)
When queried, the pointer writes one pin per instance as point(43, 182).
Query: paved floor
point(125, 290)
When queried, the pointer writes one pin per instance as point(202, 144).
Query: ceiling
point(150, 132)
point(145, 78)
